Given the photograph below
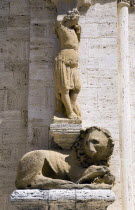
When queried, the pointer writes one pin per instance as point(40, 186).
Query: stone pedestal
point(62, 199)
point(65, 133)
point(64, 6)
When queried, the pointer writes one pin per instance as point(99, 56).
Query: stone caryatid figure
point(66, 75)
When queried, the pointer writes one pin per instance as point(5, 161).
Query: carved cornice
point(63, 6)
point(124, 3)
point(132, 2)
point(127, 2)
point(78, 3)
point(84, 3)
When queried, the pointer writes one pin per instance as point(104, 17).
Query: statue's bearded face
point(96, 143)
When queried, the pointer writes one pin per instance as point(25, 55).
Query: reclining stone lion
point(84, 166)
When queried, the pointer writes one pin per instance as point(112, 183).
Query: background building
point(28, 46)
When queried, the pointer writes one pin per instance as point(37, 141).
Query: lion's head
point(94, 146)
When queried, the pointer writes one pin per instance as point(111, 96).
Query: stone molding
point(65, 134)
point(63, 6)
point(132, 2)
point(73, 199)
point(77, 3)
point(127, 3)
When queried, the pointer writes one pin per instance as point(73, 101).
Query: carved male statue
point(67, 80)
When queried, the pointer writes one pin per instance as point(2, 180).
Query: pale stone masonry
point(28, 46)
point(62, 199)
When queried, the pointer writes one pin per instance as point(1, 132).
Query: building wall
point(14, 68)
point(28, 47)
point(43, 49)
point(98, 67)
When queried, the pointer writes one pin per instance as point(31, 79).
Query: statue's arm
point(77, 29)
point(57, 27)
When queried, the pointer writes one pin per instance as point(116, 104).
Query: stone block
point(5, 154)
point(13, 135)
point(18, 21)
point(3, 99)
point(61, 195)
point(65, 133)
point(97, 199)
point(4, 7)
point(40, 137)
point(19, 7)
point(62, 199)
point(14, 33)
point(17, 50)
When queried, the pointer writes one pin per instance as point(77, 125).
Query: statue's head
point(97, 145)
point(71, 18)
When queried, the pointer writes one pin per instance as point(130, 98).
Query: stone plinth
point(62, 199)
point(64, 6)
point(65, 132)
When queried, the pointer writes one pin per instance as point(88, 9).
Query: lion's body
point(46, 169)
point(39, 160)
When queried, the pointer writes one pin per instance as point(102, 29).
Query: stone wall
point(98, 67)
point(14, 67)
point(43, 48)
point(28, 46)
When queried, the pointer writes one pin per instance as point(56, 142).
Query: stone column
point(124, 106)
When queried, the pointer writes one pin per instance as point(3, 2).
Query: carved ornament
point(66, 74)
point(86, 165)
point(132, 3)
point(63, 6)
point(127, 2)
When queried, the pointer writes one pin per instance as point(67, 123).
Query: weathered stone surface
point(85, 164)
point(64, 7)
point(61, 199)
point(66, 74)
point(98, 69)
point(132, 82)
point(127, 2)
point(62, 195)
point(65, 132)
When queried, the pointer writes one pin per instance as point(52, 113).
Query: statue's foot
point(76, 109)
point(72, 115)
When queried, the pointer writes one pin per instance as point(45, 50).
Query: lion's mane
point(85, 160)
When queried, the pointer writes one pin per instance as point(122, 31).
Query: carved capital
point(63, 6)
point(124, 3)
point(84, 3)
point(127, 3)
point(132, 3)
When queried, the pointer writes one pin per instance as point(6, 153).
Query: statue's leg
point(67, 103)
point(42, 182)
point(74, 92)
point(74, 102)
point(62, 85)
point(59, 110)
